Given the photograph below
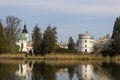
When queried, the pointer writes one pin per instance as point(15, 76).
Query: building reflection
point(62, 71)
point(42, 71)
point(62, 74)
point(24, 71)
point(84, 72)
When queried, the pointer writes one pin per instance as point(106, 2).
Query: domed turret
point(24, 30)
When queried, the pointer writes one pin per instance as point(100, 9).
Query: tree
point(71, 45)
point(37, 40)
point(116, 36)
point(12, 24)
point(2, 42)
point(9, 35)
point(1, 30)
point(103, 43)
point(49, 39)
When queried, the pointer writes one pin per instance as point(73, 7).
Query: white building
point(63, 45)
point(85, 43)
point(22, 40)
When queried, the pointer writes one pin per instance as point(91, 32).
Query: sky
point(71, 17)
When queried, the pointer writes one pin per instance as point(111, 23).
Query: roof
point(24, 29)
point(85, 36)
point(20, 36)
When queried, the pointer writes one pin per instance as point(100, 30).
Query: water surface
point(50, 70)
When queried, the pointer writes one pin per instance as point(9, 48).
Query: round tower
point(85, 43)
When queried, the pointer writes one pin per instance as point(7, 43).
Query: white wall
point(85, 44)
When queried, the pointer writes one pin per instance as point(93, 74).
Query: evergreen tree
point(1, 30)
point(116, 36)
point(1, 39)
point(37, 40)
point(49, 39)
point(71, 45)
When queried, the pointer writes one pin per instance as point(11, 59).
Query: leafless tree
point(12, 24)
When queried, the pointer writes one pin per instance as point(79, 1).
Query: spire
point(24, 30)
point(87, 33)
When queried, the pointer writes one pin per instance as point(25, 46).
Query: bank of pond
point(59, 56)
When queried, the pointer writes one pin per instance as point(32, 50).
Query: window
point(85, 45)
point(85, 41)
point(85, 50)
point(85, 66)
point(85, 76)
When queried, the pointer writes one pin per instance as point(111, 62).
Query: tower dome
point(24, 30)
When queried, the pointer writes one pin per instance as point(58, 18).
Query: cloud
point(72, 7)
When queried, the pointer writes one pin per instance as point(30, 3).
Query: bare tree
point(12, 24)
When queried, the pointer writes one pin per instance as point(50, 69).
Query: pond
point(59, 70)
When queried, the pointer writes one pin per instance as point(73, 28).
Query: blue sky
point(71, 17)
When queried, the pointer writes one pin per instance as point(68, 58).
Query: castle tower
point(25, 31)
point(85, 43)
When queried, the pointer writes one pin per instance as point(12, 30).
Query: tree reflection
point(7, 71)
point(113, 70)
point(71, 70)
point(42, 71)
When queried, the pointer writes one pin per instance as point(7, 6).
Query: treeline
point(45, 43)
point(7, 35)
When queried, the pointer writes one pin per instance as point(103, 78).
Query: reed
point(59, 56)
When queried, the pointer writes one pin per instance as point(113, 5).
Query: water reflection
point(62, 74)
point(24, 71)
point(84, 72)
point(43, 71)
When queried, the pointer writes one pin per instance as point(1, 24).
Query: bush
point(8, 49)
point(108, 52)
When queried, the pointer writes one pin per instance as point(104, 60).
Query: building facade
point(63, 45)
point(22, 40)
point(85, 43)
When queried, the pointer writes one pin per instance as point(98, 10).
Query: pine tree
point(116, 36)
point(49, 39)
point(71, 45)
point(37, 40)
